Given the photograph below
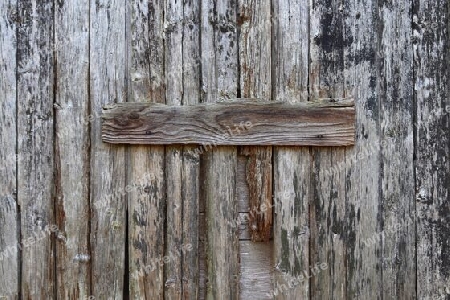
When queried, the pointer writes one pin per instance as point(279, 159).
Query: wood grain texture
point(233, 123)
point(191, 158)
point(173, 14)
point(395, 64)
point(107, 182)
point(256, 282)
point(219, 65)
point(292, 174)
point(256, 82)
point(35, 123)
point(431, 41)
point(147, 202)
point(327, 210)
point(257, 270)
point(9, 209)
point(362, 165)
point(72, 149)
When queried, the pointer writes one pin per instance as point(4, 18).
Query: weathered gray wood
point(255, 82)
point(398, 256)
point(362, 166)
point(147, 203)
point(234, 123)
point(9, 209)
point(327, 211)
point(191, 158)
point(72, 149)
point(173, 20)
point(291, 165)
point(219, 79)
point(432, 140)
point(107, 176)
point(257, 270)
point(35, 86)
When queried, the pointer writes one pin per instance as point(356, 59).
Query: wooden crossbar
point(324, 122)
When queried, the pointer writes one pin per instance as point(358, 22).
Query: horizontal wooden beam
point(325, 122)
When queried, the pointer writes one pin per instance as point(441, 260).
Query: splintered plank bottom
point(327, 122)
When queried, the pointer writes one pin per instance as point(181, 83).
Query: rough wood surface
point(147, 202)
point(108, 176)
point(72, 149)
point(292, 165)
point(9, 209)
point(173, 63)
point(256, 270)
point(35, 86)
point(235, 123)
point(256, 82)
point(327, 210)
point(398, 256)
point(431, 39)
point(191, 158)
point(362, 223)
point(219, 61)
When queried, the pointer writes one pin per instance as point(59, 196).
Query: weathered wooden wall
point(80, 218)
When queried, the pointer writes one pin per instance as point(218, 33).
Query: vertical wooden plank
point(432, 80)
point(107, 186)
point(72, 149)
point(35, 146)
point(220, 80)
point(182, 163)
point(328, 43)
point(173, 25)
point(35, 123)
point(362, 166)
point(9, 213)
point(397, 161)
point(255, 82)
point(147, 200)
point(291, 165)
point(254, 21)
point(191, 157)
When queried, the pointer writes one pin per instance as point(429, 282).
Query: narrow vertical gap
point(126, 277)
point(182, 153)
point(89, 159)
point(310, 197)
point(126, 289)
point(414, 95)
point(380, 223)
point(19, 215)
point(56, 155)
point(201, 168)
point(238, 35)
point(164, 267)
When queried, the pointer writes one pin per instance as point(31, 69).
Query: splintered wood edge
point(323, 122)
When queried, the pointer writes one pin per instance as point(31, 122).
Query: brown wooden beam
point(325, 122)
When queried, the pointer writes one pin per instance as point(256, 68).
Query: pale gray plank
point(147, 203)
point(291, 165)
point(9, 213)
point(328, 207)
point(362, 165)
point(219, 79)
point(72, 149)
point(35, 86)
point(107, 177)
point(397, 153)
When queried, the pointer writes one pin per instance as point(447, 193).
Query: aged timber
point(327, 122)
